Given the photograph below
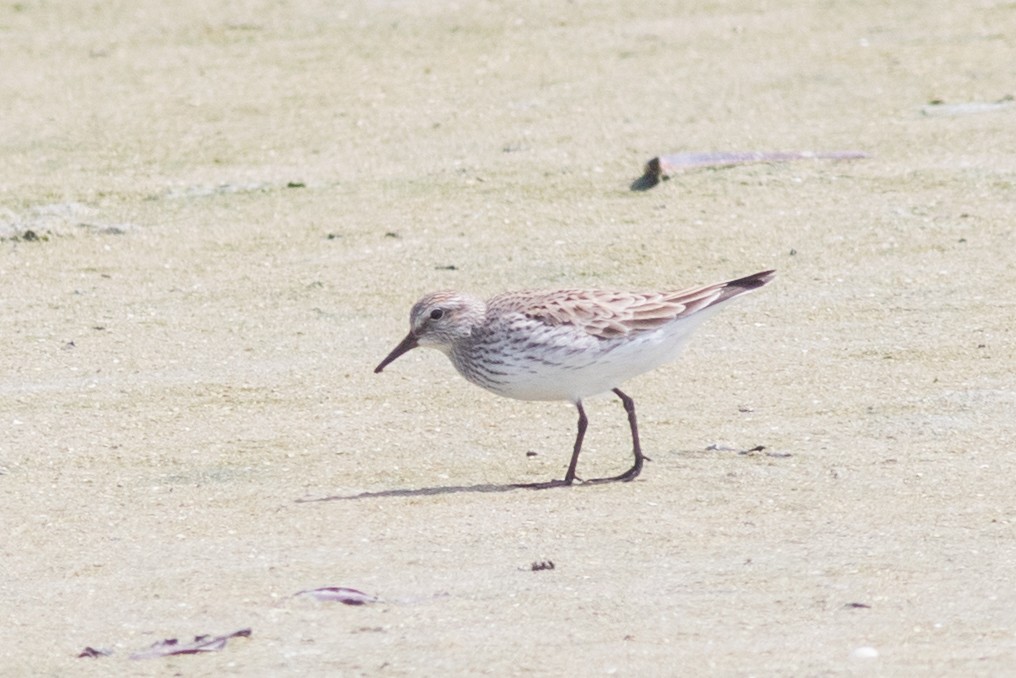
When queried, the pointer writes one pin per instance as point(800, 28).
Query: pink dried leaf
point(339, 594)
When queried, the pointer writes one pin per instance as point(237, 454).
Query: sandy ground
point(234, 205)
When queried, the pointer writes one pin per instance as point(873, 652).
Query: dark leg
point(636, 469)
point(629, 475)
point(629, 407)
point(569, 477)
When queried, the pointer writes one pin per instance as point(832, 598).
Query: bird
point(565, 344)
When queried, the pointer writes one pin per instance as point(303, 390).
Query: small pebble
point(864, 652)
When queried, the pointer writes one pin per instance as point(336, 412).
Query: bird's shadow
point(484, 488)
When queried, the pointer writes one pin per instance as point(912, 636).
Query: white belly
point(558, 364)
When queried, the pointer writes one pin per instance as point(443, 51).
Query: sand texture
point(216, 216)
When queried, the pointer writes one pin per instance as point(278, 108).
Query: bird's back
point(571, 344)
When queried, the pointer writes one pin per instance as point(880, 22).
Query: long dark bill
point(406, 345)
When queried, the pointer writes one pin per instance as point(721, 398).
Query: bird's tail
point(735, 288)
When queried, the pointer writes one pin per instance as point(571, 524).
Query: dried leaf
point(94, 653)
point(171, 646)
point(339, 594)
point(663, 167)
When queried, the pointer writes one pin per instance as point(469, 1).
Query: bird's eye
point(436, 314)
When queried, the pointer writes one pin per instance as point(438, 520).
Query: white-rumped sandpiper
point(565, 344)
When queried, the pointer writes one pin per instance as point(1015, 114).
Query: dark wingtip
point(735, 288)
point(753, 281)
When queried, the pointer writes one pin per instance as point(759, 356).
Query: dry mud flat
point(231, 208)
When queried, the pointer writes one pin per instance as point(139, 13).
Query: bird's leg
point(629, 407)
point(636, 469)
point(629, 475)
point(569, 477)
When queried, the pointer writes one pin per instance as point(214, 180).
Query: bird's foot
point(626, 477)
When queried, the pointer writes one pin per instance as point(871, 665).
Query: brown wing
point(608, 314)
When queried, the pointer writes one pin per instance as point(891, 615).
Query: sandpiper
point(565, 344)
